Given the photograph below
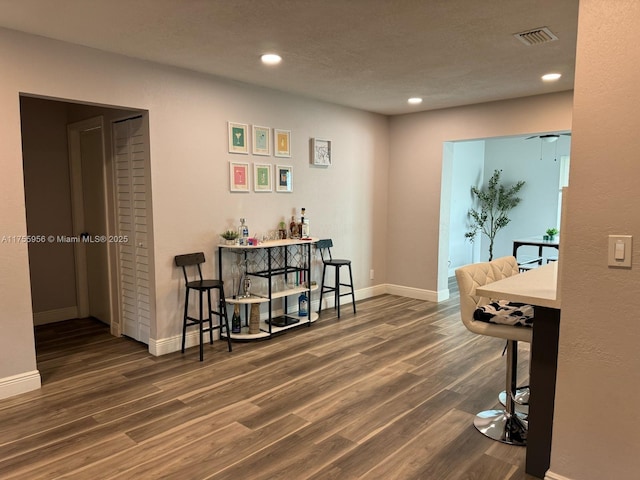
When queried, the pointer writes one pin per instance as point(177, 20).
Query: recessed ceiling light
point(271, 59)
point(551, 77)
point(415, 101)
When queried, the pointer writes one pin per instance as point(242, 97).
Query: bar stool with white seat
point(508, 425)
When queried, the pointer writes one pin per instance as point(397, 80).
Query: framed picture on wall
point(282, 142)
point(261, 140)
point(238, 137)
point(320, 152)
point(262, 177)
point(284, 178)
point(238, 177)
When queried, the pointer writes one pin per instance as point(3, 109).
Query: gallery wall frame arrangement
point(266, 177)
point(238, 137)
point(282, 142)
point(320, 152)
point(239, 177)
point(284, 178)
point(262, 177)
point(261, 140)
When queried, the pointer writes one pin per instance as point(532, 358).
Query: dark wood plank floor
point(389, 393)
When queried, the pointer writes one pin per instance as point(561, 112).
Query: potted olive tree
point(494, 202)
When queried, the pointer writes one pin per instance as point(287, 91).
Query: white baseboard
point(554, 476)
point(58, 315)
point(167, 345)
point(16, 384)
point(418, 293)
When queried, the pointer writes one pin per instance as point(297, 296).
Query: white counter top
point(273, 243)
point(537, 286)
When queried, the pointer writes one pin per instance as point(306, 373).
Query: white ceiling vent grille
point(536, 36)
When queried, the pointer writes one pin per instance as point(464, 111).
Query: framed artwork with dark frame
point(284, 178)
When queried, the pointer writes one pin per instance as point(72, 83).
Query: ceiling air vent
point(536, 36)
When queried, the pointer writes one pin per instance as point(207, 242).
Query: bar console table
point(277, 269)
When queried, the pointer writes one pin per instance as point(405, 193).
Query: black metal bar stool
point(327, 260)
point(201, 286)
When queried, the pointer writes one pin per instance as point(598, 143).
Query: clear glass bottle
point(243, 232)
point(304, 225)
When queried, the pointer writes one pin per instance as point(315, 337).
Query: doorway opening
point(544, 168)
point(74, 204)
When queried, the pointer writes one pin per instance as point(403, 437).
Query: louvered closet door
point(131, 191)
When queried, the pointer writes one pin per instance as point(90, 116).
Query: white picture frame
point(262, 177)
point(284, 178)
point(261, 144)
point(281, 142)
point(238, 141)
point(239, 177)
point(320, 152)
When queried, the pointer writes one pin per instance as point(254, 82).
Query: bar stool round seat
point(205, 284)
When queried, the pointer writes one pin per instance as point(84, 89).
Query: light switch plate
point(620, 250)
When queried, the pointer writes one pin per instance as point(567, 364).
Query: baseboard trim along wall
point(418, 293)
point(22, 383)
point(58, 315)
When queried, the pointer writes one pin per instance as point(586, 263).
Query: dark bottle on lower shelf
point(236, 322)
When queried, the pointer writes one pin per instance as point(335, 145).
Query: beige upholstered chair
point(507, 426)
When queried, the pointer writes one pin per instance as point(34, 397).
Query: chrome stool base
point(498, 425)
point(521, 399)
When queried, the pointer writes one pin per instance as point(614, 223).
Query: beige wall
point(596, 420)
point(48, 201)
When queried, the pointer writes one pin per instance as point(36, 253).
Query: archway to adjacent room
point(542, 165)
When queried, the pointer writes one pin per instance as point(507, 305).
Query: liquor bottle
point(304, 225)
point(236, 322)
point(243, 232)
point(303, 305)
point(293, 226)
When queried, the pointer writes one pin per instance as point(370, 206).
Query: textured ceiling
point(367, 54)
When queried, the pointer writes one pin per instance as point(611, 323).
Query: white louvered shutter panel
point(131, 193)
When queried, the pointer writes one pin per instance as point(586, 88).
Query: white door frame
point(77, 205)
